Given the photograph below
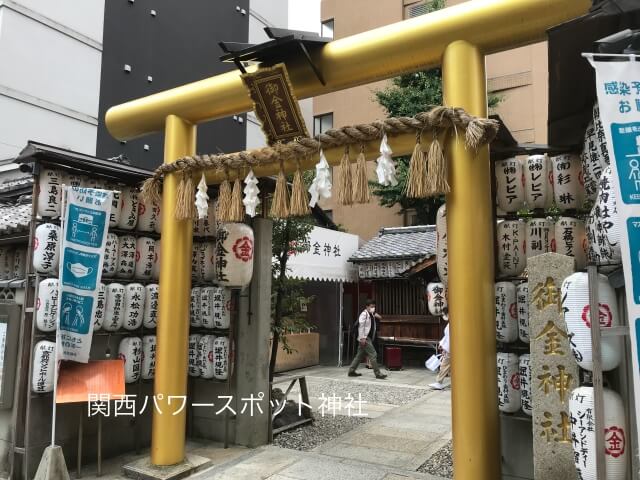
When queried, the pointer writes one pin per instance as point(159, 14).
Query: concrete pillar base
point(143, 469)
point(52, 466)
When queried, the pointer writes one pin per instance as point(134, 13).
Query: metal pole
point(80, 440)
point(596, 377)
point(168, 430)
point(476, 438)
point(99, 445)
point(341, 317)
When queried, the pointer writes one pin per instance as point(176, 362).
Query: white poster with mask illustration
point(84, 236)
point(618, 88)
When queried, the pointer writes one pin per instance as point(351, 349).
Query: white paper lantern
point(592, 161)
point(603, 225)
point(577, 315)
point(155, 271)
point(148, 357)
point(526, 398)
point(19, 263)
point(522, 302)
point(509, 398)
point(7, 257)
point(509, 184)
point(540, 237)
point(116, 204)
point(511, 247)
point(206, 307)
point(206, 356)
point(147, 216)
point(129, 208)
point(44, 364)
point(126, 256)
point(49, 193)
point(538, 182)
point(571, 240)
point(158, 226)
point(601, 138)
point(568, 191)
point(196, 267)
point(436, 298)
point(130, 351)
point(73, 180)
point(101, 305)
point(145, 257)
point(222, 307)
point(133, 306)
point(114, 308)
point(46, 247)
point(194, 357)
point(221, 358)
point(207, 226)
point(234, 255)
point(442, 252)
point(47, 305)
point(195, 308)
point(110, 263)
point(208, 261)
point(583, 433)
point(150, 318)
point(506, 312)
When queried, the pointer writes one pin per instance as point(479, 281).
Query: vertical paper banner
point(84, 235)
point(618, 88)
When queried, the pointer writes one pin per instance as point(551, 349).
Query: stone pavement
point(391, 446)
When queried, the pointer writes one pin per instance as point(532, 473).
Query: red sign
point(243, 249)
point(515, 381)
point(606, 318)
point(614, 441)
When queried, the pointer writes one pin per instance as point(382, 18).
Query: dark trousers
point(370, 352)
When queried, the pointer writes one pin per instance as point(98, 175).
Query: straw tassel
point(299, 197)
point(345, 188)
point(223, 209)
point(417, 181)
point(150, 191)
point(185, 201)
point(437, 169)
point(236, 211)
point(280, 200)
point(361, 182)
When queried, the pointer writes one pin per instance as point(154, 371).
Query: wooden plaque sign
point(275, 104)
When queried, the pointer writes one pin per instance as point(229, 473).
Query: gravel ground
point(370, 392)
point(440, 463)
point(321, 430)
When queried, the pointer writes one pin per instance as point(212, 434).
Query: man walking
point(445, 363)
point(366, 336)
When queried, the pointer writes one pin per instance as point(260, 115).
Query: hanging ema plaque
point(275, 104)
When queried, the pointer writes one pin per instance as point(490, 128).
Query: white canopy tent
point(327, 260)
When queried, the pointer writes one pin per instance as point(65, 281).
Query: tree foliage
point(408, 95)
point(290, 236)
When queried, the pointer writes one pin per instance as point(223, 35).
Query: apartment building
point(519, 76)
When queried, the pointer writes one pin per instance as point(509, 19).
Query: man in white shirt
point(366, 336)
point(445, 363)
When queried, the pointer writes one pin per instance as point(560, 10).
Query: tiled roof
point(15, 183)
point(14, 218)
point(402, 243)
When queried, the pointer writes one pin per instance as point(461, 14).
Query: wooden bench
point(410, 331)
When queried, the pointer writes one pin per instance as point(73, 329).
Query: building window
point(322, 123)
point(419, 8)
point(326, 29)
point(411, 217)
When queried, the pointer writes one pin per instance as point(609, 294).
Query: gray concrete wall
point(252, 343)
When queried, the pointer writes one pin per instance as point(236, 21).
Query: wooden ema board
point(76, 381)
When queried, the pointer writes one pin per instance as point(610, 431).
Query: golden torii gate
point(458, 38)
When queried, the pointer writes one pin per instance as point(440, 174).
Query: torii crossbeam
point(458, 38)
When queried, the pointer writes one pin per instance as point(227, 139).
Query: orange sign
point(76, 381)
